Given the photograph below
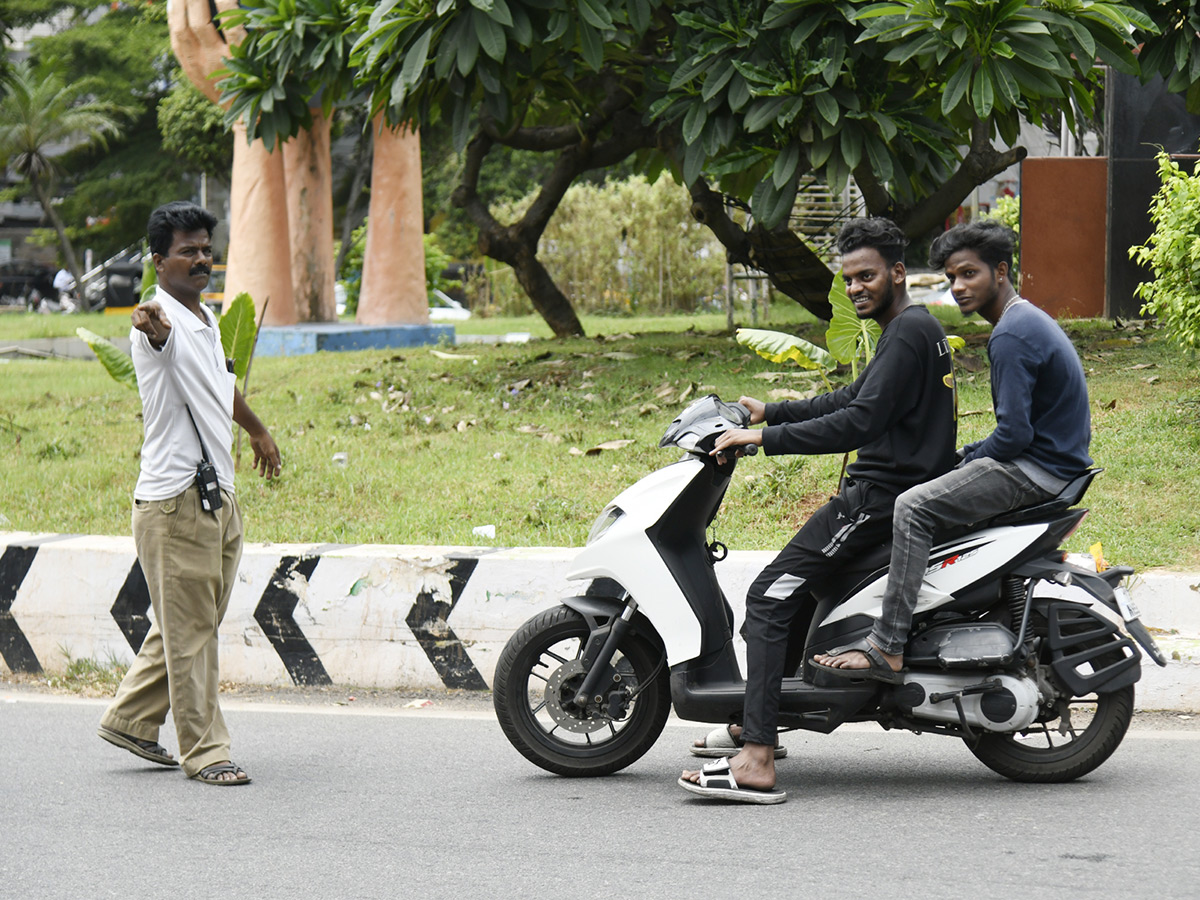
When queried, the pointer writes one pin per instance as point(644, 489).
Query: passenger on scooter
point(1040, 442)
point(899, 416)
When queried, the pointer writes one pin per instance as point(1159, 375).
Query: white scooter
point(1017, 652)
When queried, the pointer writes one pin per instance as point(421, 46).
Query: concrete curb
point(393, 616)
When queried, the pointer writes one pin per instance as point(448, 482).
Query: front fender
point(593, 609)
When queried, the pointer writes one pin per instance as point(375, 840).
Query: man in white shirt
point(189, 552)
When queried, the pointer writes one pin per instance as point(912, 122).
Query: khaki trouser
point(190, 559)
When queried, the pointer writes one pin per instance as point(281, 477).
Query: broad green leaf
point(595, 14)
point(491, 36)
point(982, 96)
point(785, 164)
point(739, 93)
point(763, 113)
point(955, 88)
point(149, 278)
point(237, 332)
point(468, 50)
point(827, 107)
point(771, 205)
point(804, 30)
point(717, 80)
point(780, 348)
point(693, 123)
point(501, 14)
point(115, 362)
point(591, 47)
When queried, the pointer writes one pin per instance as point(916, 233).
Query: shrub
point(1173, 253)
point(623, 247)
point(1008, 212)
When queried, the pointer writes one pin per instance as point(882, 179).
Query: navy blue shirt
point(1040, 396)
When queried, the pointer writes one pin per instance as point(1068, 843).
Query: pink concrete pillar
point(393, 280)
point(259, 249)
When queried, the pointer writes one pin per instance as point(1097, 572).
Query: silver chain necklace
point(1010, 302)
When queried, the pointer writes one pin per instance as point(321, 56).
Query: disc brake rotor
point(560, 700)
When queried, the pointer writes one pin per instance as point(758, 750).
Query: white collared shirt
point(190, 368)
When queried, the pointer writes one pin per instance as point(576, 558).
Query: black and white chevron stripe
point(274, 613)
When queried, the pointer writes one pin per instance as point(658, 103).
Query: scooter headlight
point(605, 521)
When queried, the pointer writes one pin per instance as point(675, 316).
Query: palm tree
point(41, 118)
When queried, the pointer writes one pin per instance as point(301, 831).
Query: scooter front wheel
point(537, 677)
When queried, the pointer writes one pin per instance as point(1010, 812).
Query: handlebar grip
point(751, 450)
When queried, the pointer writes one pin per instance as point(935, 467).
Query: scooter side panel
point(952, 567)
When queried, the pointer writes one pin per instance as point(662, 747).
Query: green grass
point(87, 677)
point(486, 438)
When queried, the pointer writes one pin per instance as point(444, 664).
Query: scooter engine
point(993, 702)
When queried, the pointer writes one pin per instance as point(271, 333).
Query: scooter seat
point(1067, 497)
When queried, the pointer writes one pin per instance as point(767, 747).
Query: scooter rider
point(1040, 443)
point(899, 416)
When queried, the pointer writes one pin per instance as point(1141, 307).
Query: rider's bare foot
point(856, 659)
point(753, 767)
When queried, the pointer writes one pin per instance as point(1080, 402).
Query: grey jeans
point(973, 492)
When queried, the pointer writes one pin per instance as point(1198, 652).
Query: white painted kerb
point(354, 611)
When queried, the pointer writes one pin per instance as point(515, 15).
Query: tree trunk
point(789, 262)
point(308, 177)
point(794, 268)
point(550, 302)
point(362, 168)
point(39, 189)
point(516, 245)
point(547, 299)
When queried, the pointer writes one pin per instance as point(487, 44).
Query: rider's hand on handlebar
point(758, 409)
point(736, 442)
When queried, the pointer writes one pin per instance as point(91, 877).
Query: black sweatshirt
point(899, 414)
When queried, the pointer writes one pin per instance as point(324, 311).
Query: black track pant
point(857, 519)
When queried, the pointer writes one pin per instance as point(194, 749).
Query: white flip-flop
point(717, 783)
point(721, 742)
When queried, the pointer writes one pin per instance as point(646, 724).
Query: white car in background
point(444, 308)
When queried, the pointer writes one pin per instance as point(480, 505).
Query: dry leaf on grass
point(788, 394)
point(609, 445)
point(440, 355)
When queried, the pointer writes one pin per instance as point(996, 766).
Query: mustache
point(200, 269)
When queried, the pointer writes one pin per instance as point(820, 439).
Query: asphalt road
point(373, 802)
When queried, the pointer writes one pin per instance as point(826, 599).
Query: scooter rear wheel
point(1060, 747)
point(1054, 752)
point(533, 691)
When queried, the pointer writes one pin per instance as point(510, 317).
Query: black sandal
point(877, 668)
point(211, 774)
point(145, 749)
